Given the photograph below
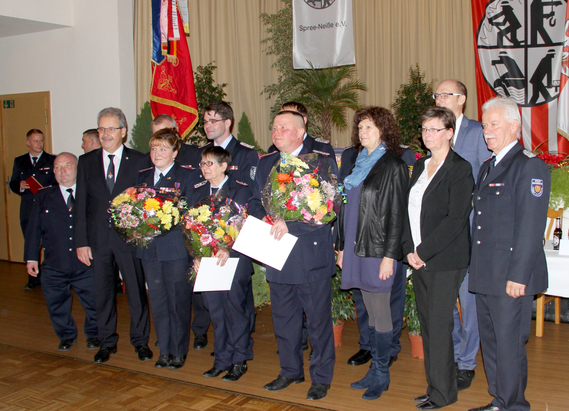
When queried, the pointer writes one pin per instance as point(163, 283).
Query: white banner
point(322, 33)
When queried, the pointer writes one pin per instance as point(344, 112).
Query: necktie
point(111, 174)
point(492, 165)
point(159, 180)
point(214, 190)
point(34, 161)
point(70, 198)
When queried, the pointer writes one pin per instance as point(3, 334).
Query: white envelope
point(212, 277)
point(255, 241)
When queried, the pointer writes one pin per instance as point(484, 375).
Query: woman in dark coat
point(166, 260)
point(370, 229)
point(436, 241)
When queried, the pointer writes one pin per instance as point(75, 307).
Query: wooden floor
point(35, 376)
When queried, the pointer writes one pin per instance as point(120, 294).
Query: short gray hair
point(65, 153)
point(116, 112)
point(165, 119)
point(510, 110)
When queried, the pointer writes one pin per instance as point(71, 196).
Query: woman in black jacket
point(436, 241)
point(370, 229)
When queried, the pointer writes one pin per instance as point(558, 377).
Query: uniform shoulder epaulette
point(529, 153)
point(488, 159)
point(347, 148)
point(205, 145)
point(187, 166)
point(146, 169)
point(321, 152)
point(403, 146)
point(198, 185)
point(322, 140)
point(242, 183)
point(247, 145)
point(270, 154)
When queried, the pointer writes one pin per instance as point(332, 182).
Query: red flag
point(172, 90)
point(518, 47)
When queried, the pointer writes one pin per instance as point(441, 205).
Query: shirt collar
point(164, 173)
point(64, 192)
point(505, 151)
point(226, 142)
point(117, 154)
point(298, 150)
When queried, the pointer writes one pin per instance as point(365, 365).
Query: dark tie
point(492, 165)
point(111, 174)
point(70, 198)
point(159, 180)
point(34, 161)
point(214, 190)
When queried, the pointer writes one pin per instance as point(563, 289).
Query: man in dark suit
point(102, 174)
point(218, 123)
point(304, 283)
point(507, 266)
point(188, 157)
point(51, 227)
point(39, 165)
point(90, 140)
point(469, 144)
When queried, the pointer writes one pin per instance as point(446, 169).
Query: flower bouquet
point(212, 224)
point(559, 169)
point(302, 189)
point(140, 214)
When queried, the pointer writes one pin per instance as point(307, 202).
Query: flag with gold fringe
point(172, 91)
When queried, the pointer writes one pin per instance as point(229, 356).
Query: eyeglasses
point(213, 121)
point(444, 96)
point(207, 163)
point(103, 130)
point(431, 130)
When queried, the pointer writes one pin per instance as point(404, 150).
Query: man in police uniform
point(469, 143)
point(508, 264)
point(51, 226)
point(218, 123)
point(304, 283)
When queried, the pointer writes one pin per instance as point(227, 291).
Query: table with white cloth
point(558, 271)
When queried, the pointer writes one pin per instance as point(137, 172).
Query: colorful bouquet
point(559, 169)
point(302, 189)
point(140, 214)
point(212, 224)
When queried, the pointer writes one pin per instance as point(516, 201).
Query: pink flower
point(306, 214)
point(205, 239)
point(318, 216)
point(418, 156)
point(330, 205)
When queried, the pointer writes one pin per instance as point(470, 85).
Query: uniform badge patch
point(537, 187)
point(253, 172)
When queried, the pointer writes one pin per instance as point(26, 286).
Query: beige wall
point(390, 36)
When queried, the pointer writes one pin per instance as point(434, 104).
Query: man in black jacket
point(51, 227)
point(39, 165)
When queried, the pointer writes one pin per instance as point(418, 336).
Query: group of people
point(389, 219)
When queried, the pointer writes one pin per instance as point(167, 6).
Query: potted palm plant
point(412, 320)
point(343, 307)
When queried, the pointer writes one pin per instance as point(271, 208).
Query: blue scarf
point(364, 163)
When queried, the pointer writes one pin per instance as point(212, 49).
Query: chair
point(541, 298)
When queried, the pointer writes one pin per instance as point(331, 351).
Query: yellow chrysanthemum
point(167, 206)
point(323, 209)
point(151, 204)
point(313, 201)
point(175, 212)
point(121, 198)
point(202, 218)
point(193, 212)
point(167, 226)
point(165, 219)
point(204, 212)
point(222, 223)
point(314, 182)
point(176, 220)
point(219, 233)
point(232, 232)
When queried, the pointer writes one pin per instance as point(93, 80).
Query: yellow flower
point(151, 204)
point(165, 219)
point(219, 233)
point(222, 223)
point(121, 198)
point(167, 206)
point(204, 212)
point(232, 232)
point(175, 212)
point(323, 209)
point(167, 226)
point(282, 188)
point(314, 182)
point(202, 218)
point(193, 212)
point(314, 201)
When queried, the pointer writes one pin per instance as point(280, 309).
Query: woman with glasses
point(230, 313)
point(369, 232)
point(165, 261)
point(436, 241)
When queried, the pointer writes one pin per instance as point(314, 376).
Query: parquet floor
point(35, 376)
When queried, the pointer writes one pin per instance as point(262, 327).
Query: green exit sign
point(8, 104)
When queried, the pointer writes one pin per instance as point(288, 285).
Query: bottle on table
point(557, 233)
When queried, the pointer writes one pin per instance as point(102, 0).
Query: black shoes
point(281, 383)
point(360, 358)
point(162, 361)
point(428, 405)
point(317, 391)
point(93, 343)
point(177, 362)
point(213, 372)
point(65, 345)
point(489, 407)
point(144, 353)
point(464, 378)
point(31, 286)
point(104, 354)
point(391, 361)
point(200, 341)
point(236, 372)
point(421, 398)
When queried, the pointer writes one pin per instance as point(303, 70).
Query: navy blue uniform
point(302, 286)
point(165, 262)
point(510, 212)
point(51, 226)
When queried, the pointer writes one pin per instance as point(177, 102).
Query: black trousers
point(131, 269)
point(436, 293)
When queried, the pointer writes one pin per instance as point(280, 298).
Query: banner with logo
point(519, 45)
point(322, 33)
point(172, 91)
